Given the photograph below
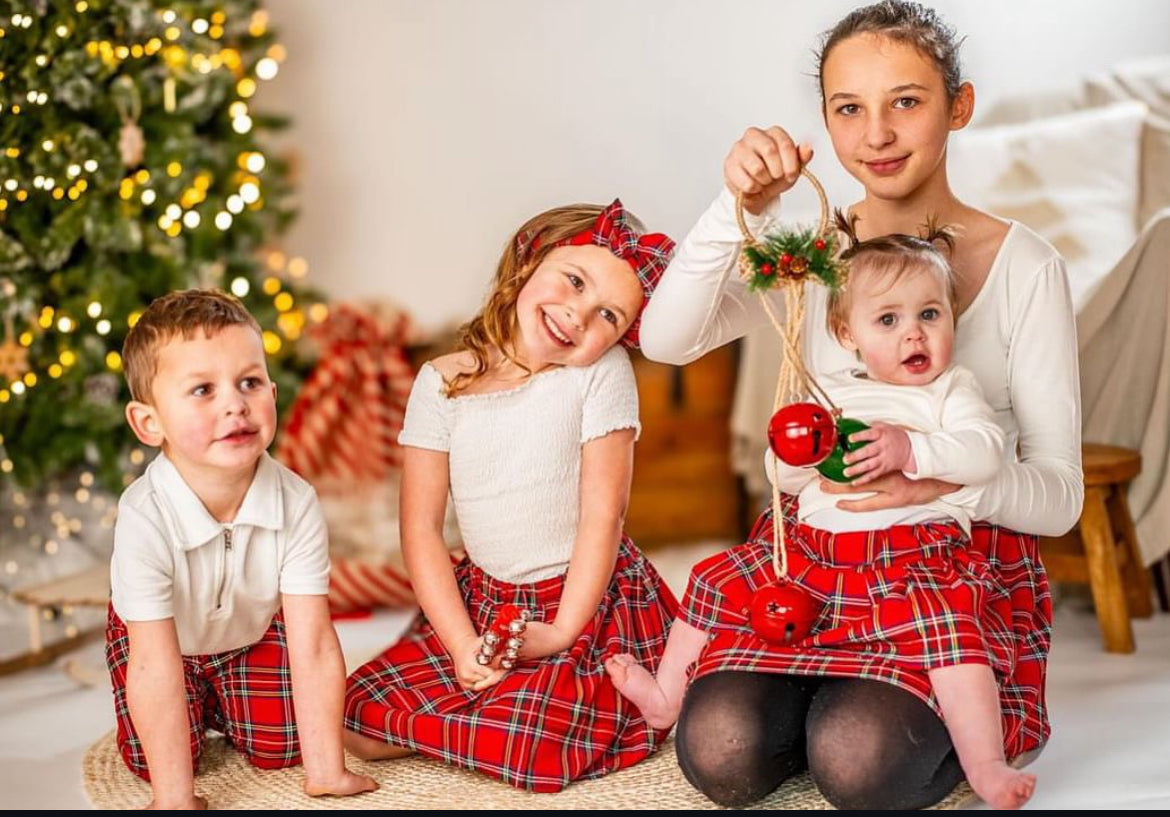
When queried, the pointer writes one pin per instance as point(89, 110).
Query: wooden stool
point(1102, 549)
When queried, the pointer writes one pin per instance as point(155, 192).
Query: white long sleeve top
point(952, 432)
point(1018, 337)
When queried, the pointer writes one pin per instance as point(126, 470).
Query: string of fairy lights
point(67, 505)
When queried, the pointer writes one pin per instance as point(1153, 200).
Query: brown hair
point(184, 313)
point(903, 22)
point(889, 256)
point(494, 327)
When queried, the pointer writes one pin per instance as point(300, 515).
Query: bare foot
point(1001, 786)
point(641, 689)
point(346, 785)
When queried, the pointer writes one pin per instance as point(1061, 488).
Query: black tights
point(867, 744)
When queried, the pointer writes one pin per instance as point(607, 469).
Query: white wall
point(427, 130)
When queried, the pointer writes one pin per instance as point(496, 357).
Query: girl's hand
point(888, 450)
point(894, 490)
point(470, 674)
point(542, 640)
point(762, 165)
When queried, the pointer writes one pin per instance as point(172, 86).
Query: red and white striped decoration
point(344, 423)
point(342, 436)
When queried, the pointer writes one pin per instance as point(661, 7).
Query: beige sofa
point(1089, 169)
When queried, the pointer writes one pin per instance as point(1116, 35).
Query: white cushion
point(1148, 80)
point(1071, 178)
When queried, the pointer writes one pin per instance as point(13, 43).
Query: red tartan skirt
point(896, 604)
point(547, 722)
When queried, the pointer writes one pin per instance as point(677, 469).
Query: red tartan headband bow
point(646, 254)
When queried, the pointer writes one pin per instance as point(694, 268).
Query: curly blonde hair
point(494, 328)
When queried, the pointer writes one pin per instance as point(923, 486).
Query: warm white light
point(199, 26)
point(65, 324)
point(255, 163)
point(267, 68)
point(73, 171)
point(249, 192)
point(10, 184)
point(235, 204)
point(223, 219)
point(148, 197)
point(168, 16)
point(242, 124)
point(103, 327)
point(90, 165)
point(94, 310)
point(174, 212)
point(241, 287)
point(191, 219)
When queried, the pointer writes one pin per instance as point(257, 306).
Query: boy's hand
point(542, 640)
point(349, 783)
point(194, 803)
point(888, 450)
point(762, 165)
point(470, 674)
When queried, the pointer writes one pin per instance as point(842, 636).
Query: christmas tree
point(129, 166)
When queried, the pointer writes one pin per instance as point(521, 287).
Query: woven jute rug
point(228, 781)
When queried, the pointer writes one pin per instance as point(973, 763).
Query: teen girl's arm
point(700, 303)
point(607, 464)
point(1042, 492)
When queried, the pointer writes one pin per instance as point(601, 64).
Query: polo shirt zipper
point(227, 553)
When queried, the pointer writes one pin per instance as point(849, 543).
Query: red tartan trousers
point(246, 694)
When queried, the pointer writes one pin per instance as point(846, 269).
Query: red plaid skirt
point(896, 603)
point(546, 723)
point(246, 694)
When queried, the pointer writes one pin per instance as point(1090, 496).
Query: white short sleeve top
point(220, 582)
point(514, 457)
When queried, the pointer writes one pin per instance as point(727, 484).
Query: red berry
point(766, 269)
point(819, 243)
point(786, 259)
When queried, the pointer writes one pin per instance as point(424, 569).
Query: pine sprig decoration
point(792, 255)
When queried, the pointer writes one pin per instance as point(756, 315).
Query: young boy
point(218, 616)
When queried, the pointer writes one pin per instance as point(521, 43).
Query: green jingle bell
point(833, 467)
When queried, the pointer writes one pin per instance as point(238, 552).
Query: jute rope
point(794, 381)
point(228, 781)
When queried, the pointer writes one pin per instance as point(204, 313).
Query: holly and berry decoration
point(792, 255)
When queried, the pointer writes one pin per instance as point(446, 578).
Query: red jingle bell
point(782, 614)
point(802, 434)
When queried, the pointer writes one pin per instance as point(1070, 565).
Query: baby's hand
point(469, 672)
point(888, 450)
point(762, 165)
point(349, 783)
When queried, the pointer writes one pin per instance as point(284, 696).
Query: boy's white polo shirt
point(172, 559)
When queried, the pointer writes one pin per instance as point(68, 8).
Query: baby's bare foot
point(640, 688)
point(1000, 785)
